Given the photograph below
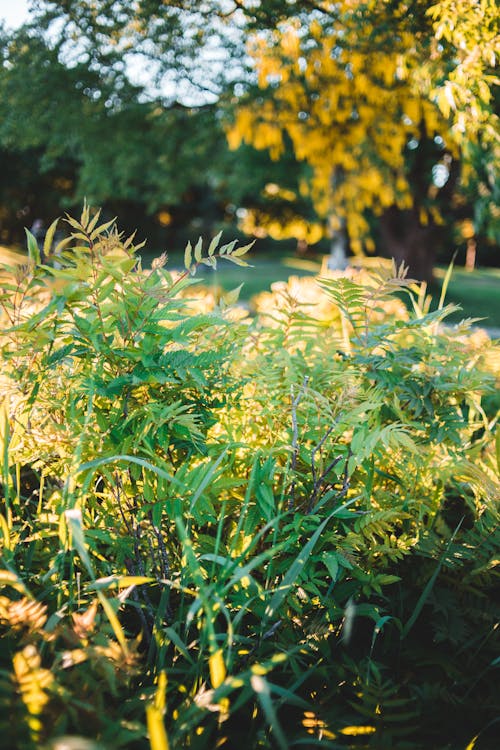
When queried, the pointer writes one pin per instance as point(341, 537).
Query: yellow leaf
point(4, 430)
point(49, 238)
point(7, 578)
point(102, 228)
point(217, 668)
point(353, 731)
point(472, 743)
point(161, 692)
point(158, 738)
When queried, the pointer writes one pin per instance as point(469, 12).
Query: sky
point(13, 12)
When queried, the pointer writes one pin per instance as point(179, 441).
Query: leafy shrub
point(217, 530)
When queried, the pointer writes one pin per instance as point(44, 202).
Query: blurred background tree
point(372, 122)
point(392, 104)
point(92, 113)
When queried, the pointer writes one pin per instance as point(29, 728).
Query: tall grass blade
point(261, 688)
point(206, 480)
point(74, 520)
point(158, 739)
point(429, 586)
point(295, 570)
point(105, 460)
point(446, 281)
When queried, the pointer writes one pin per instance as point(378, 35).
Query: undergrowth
point(221, 531)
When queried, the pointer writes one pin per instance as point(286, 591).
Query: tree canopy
point(384, 101)
point(381, 116)
point(81, 120)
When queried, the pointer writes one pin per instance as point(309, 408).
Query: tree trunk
point(409, 241)
point(407, 237)
point(337, 260)
point(470, 258)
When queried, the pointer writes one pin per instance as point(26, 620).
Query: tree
point(387, 107)
point(270, 198)
point(128, 149)
point(384, 101)
point(181, 46)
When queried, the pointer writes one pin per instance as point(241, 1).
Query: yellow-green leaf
point(242, 250)
point(188, 255)
point(238, 261)
point(102, 228)
point(228, 247)
point(80, 236)
point(161, 692)
point(213, 245)
point(121, 582)
point(197, 250)
point(85, 215)
point(7, 578)
point(49, 238)
point(4, 432)
point(33, 250)
point(231, 297)
point(62, 244)
point(73, 223)
point(94, 221)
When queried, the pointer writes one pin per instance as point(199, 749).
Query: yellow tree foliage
point(357, 82)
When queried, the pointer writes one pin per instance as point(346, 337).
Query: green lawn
point(478, 293)
point(263, 272)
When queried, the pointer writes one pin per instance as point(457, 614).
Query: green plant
point(220, 530)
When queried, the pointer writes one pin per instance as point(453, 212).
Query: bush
point(274, 531)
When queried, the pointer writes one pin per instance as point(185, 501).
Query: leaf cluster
point(216, 531)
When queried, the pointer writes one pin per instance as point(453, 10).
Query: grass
point(264, 272)
point(478, 293)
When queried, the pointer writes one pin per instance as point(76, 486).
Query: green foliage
point(91, 131)
point(218, 530)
